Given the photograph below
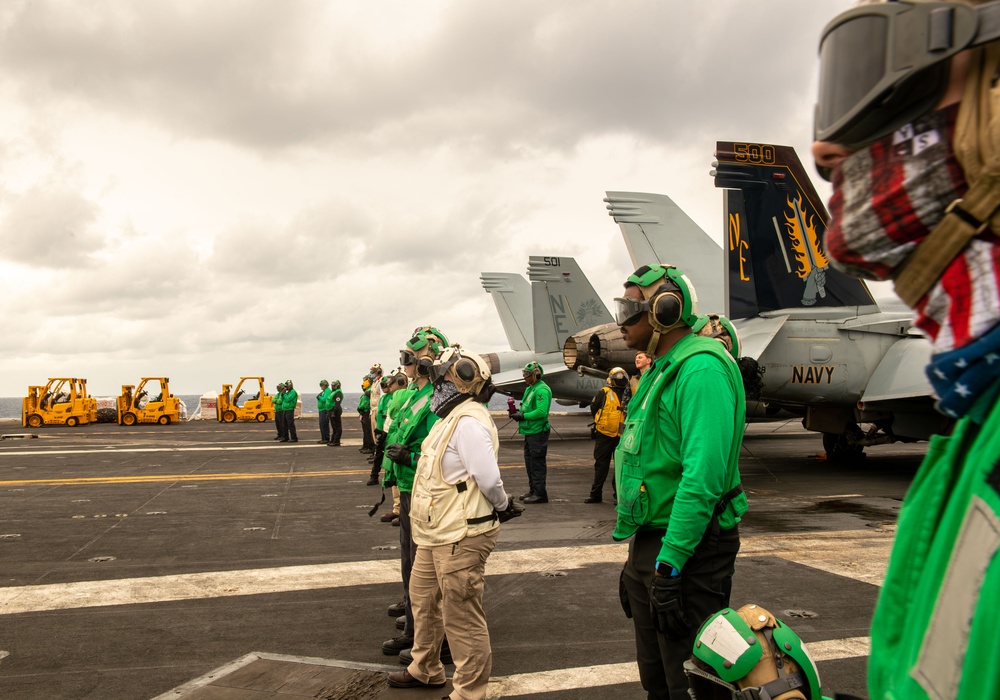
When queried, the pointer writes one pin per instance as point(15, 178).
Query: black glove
point(399, 453)
point(517, 416)
point(667, 606)
point(623, 595)
point(380, 439)
point(513, 510)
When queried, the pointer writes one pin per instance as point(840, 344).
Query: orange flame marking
point(801, 239)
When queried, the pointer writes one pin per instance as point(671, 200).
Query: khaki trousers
point(446, 594)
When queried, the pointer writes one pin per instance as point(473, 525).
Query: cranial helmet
point(618, 377)
point(533, 368)
point(397, 379)
point(426, 344)
point(376, 369)
point(669, 301)
point(750, 653)
point(336, 384)
point(720, 328)
point(288, 383)
point(324, 383)
point(670, 297)
point(468, 371)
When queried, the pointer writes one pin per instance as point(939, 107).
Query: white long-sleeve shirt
point(470, 454)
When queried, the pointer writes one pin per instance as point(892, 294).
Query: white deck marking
point(519, 684)
point(618, 674)
point(861, 555)
point(858, 554)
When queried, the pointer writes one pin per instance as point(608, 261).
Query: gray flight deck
point(207, 561)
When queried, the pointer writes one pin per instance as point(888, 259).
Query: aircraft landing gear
point(845, 446)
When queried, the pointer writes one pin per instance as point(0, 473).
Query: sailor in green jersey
point(323, 406)
point(410, 426)
point(912, 149)
point(533, 424)
point(279, 417)
point(335, 412)
point(387, 384)
point(364, 413)
point(679, 498)
point(290, 401)
point(398, 399)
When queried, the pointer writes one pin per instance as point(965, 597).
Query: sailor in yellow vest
point(608, 419)
point(458, 503)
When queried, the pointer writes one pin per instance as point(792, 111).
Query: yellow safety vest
point(609, 418)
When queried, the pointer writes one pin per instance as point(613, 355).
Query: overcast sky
point(205, 190)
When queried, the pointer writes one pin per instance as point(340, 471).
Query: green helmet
point(421, 349)
point(324, 383)
point(533, 368)
point(668, 299)
point(335, 385)
point(750, 653)
point(427, 337)
point(722, 329)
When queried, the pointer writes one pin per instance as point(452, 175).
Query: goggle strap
point(988, 28)
point(965, 219)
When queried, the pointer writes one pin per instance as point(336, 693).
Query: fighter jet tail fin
point(775, 223)
point(656, 229)
point(564, 301)
point(511, 294)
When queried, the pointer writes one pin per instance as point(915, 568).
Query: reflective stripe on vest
point(939, 667)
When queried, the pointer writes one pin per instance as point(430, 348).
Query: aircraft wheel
point(228, 417)
point(72, 421)
point(839, 448)
point(35, 420)
point(163, 420)
point(129, 419)
point(261, 418)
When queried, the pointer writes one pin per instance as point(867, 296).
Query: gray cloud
point(49, 227)
point(493, 76)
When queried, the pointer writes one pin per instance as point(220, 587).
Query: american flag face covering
point(888, 197)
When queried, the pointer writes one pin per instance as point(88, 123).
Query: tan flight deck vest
point(443, 513)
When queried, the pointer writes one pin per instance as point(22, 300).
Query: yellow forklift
point(135, 405)
point(259, 407)
point(63, 401)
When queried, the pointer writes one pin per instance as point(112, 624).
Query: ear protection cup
point(424, 366)
point(673, 307)
point(665, 311)
point(466, 370)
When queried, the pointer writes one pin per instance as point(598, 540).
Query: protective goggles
point(885, 64)
point(629, 311)
point(443, 364)
point(407, 358)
